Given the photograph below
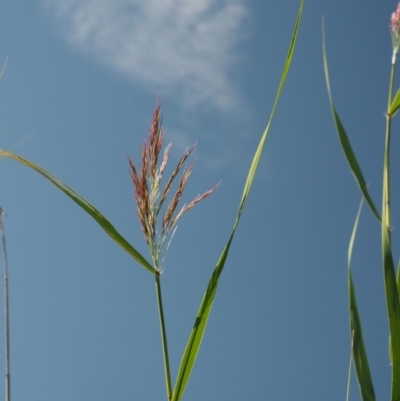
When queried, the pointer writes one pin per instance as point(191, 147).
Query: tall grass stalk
point(167, 369)
point(389, 270)
point(159, 228)
point(6, 312)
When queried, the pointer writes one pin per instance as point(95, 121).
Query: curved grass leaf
point(85, 205)
point(346, 146)
point(359, 352)
point(196, 336)
point(393, 308)
point(360, 355)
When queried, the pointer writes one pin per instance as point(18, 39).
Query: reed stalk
point(164, 342)
point(389, 270)
point(150, 201)
point(6, 312)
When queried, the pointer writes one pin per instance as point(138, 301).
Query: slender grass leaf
point(196, 336)
point(360, 355)
point(359, 352)
point(85, 205)
point(346, 146)
point(398, 292)
point(393, 308)
point(353, 235)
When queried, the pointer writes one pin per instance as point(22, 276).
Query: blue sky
point(78, 94)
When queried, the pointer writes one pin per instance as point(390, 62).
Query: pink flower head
point(149, 197)
point(395, 28)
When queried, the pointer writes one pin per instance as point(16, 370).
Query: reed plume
point(147, 186)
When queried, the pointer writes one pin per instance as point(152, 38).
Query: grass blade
point(346, 146)
point(359, 352)
point(193, 345)
point(6, 312)
point(393, 308)
point(85, 205)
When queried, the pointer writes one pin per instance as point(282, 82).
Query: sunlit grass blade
point(85, 205)
point(200, 324)
point(395, 104)
point(346, 146)
point(359, 352)
point(196, 336)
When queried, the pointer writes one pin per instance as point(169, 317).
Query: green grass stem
point(391, 286)
point(6, 312)
point(392, 296)
point(195, 339)
point(350, 365)
point(163, 336)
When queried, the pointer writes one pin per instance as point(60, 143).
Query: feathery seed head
point(146, 185)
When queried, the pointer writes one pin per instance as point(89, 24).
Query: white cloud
point(183, 47)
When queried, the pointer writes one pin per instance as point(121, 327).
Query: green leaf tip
point(345, 142)
point(196, 336)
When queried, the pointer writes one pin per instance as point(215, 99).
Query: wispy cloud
point(183, 47)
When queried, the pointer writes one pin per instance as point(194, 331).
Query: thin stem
point(350, 364)
point(392, 302)
point(163, 336)
point(6, 312)
point(386, 219)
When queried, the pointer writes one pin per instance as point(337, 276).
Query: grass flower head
point(149, 197)
point(395, 31)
